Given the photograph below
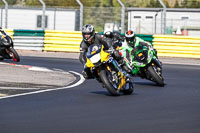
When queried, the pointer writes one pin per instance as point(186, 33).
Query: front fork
point(122, 75)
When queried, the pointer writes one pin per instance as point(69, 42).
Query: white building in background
point(148, 21)
point(31, 18)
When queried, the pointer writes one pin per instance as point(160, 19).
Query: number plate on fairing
point(110, 59)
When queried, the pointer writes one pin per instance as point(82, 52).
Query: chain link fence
point(101, 16)
point(104, 17)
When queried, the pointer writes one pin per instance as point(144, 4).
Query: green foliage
point(184, 4)
point(60, 3)
point(194, 4)
point(176, 5)
point(10, 2)
point(32, 2)
point(166, 4)
point(154, 3)
point(190, 4)
point(111, 3)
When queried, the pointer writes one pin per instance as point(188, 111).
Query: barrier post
point(122, 16)
point(43, 14)
point(6, 13)
point(81, 13)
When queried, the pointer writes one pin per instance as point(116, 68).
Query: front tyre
point(129, 88)
point(13, 54)
point(107, 79)
point(157, 77)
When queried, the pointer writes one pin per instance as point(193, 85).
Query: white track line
point(43, 69)
point(179, 63)
point(82, 79)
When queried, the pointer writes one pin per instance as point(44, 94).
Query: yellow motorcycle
point(107, 71)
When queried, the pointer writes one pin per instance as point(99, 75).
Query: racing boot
point(87, 73)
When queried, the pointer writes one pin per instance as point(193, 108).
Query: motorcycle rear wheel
point(107, 81)
point(13, 54)
point(157, 78)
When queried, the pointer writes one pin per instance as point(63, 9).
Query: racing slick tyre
point(13, 54)
point(106, 78)
point(130, 88)
point(157, 77)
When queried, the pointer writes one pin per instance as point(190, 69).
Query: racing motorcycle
point(107, 71)
point(7, 50)
point(143, 62)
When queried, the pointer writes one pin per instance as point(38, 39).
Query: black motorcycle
point(7, 50)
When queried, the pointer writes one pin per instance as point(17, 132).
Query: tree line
point(108, 3)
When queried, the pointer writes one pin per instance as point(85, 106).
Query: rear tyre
point(156, 77)
point(14, 55)
point(106, 78)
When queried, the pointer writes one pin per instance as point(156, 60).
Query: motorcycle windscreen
point(93, 55)
point(95, 58)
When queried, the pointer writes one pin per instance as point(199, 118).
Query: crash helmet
point(6, 40)
point(108, 34)
point(88, 32)
point(130, 38)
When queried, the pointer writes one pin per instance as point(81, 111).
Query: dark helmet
point(130, 38)
point(88, 32)
point(108, 34)
point(6, 40)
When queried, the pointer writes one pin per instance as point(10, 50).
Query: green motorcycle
point(143, 61)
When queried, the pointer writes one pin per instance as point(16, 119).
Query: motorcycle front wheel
point(13, 54)
point(157, 77)
point(129, 88)
point(106, 77)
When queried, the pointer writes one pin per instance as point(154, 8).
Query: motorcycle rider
point(89, 38)
point(133, 42)
point(116, 37)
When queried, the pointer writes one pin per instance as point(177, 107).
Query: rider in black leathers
point(90, 37)
point(116, 37)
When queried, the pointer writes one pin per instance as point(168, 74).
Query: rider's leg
point(87, 73)
point(121, 61)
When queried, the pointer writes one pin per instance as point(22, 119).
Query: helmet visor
point(87, 36)
point(131, 41)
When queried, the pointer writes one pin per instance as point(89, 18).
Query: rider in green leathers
point(141, 58)
point(132, 43)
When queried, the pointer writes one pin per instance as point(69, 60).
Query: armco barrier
point(65, 41)
point(177, 46)
point(148, 38)
point(18, 32)
point(29, 43)
point(69, 41)
point(29, 39)
point(10, 32)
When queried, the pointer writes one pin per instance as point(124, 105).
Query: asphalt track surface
point(88, 108)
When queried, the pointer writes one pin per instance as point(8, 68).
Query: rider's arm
point(141, 42)
point(118, 36)
point(83, 50)
point(107, 42)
